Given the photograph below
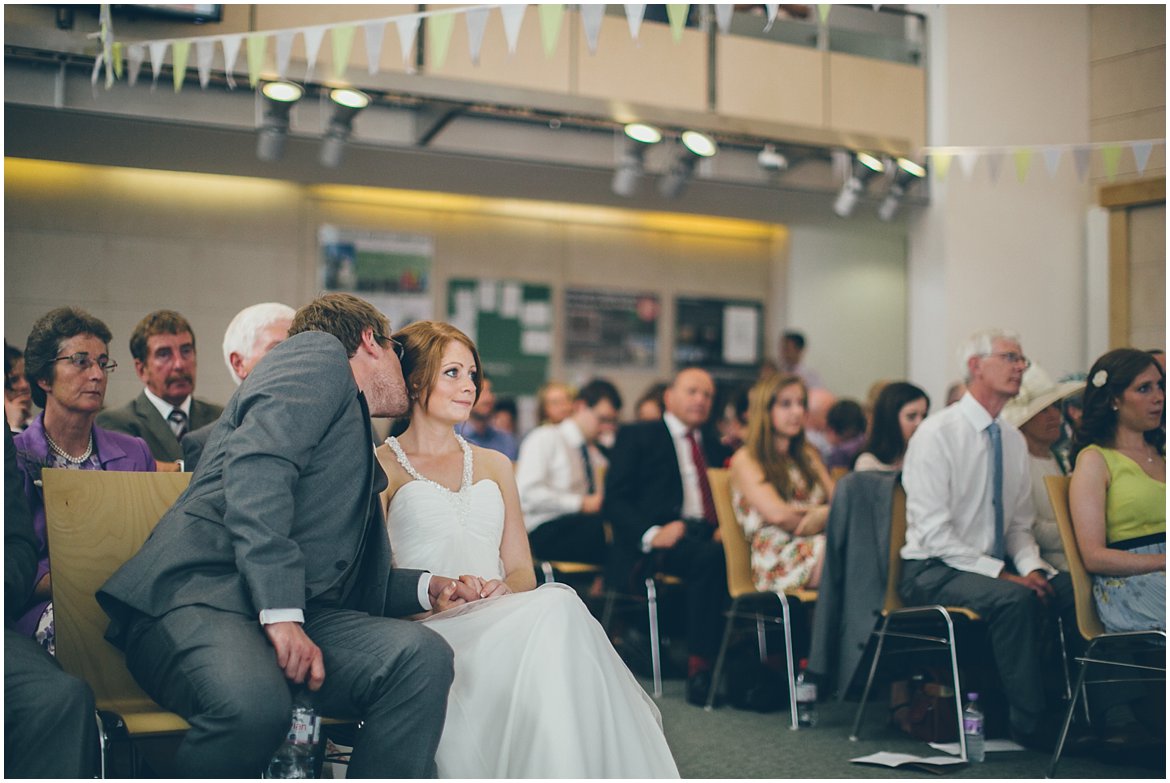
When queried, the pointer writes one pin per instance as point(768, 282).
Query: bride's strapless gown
point(539, 691)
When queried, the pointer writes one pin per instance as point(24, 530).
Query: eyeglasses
point(82, 361)
point(399, 348)
point(1011, 357)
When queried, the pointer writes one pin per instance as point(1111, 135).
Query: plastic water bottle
point(973, 728)
point(806, 697)
point(296, 756)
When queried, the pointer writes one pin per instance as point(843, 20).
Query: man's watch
point(182, 466)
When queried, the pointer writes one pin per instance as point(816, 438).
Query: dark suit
point(140, 417)
point(283, 513)
point(193, 444)
point(643, 488)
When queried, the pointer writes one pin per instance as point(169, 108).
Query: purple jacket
point(115, 452)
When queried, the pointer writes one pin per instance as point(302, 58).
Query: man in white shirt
point(969, 543)
point(559, 476)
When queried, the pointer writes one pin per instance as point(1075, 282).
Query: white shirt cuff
point(648, 537)
point(424, 591)
point(270, 616)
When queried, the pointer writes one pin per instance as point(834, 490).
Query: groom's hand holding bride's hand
point(446, 593)
point(296, 653)
point(485, 588)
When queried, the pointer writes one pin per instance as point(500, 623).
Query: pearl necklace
point(67, 457)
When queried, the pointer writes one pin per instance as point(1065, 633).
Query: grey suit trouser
point(218, 670)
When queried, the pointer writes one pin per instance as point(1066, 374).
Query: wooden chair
point(896, 617)
point(1104, 648)
point(97, 520)
point(740, 585)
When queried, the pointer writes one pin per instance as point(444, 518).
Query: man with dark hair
point(558, 476)
point(273, 569)
point(163, 348)
point(792, 345)
point(479, 430)
point(846, 429)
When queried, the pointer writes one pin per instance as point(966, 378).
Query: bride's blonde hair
point(423, 343)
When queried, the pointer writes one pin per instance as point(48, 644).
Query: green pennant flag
point(1023, 163)
point(941, 163)
point(550, 26)
point(342, 38)
point(256, 46)
point(823, 11)
point(180, 51)
point(439, 29)
point(1111, 156)
point(677, 14)
point(117, 55)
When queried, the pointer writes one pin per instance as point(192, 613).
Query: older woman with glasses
point(67, 364)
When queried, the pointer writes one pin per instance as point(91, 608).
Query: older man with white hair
point(254, 332)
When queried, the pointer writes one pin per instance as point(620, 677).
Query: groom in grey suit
point(273, 568)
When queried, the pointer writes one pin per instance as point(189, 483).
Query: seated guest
point(479, 430)
point(252, 333)
point(733, 424)
point(554, 402)
point(847, 425)
point(899, 409)
point(504, 415)
point(650, 406)
point(163, 347)
point(816, 425)
point(659, 501)
point(1036, 412)
point(1118, 490)
point(557, 475)
point(17, 400)
point(781, 489)
point(67, 363)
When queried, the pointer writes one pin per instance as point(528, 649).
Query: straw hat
point(1037, 392)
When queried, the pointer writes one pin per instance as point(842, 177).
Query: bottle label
point(304, 728)
point(806, 691)
point(972, 724)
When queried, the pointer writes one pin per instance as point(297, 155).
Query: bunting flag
point(342, 45)
point(135, 54)
point(723, 13)
point(257, 44)
point(179, 54)
point(313, 37)
point(407, 30)
point(635, 12)
point(204, 53)
point(1023, 160)
point(513, 16)
point(439, 29)
point(1052, 160)
point(591, 16)
point(106, 34)
point(1081, 162)
point(1141, 155)
point(117, 55)
point(967, 161)
point(375, 33)
point(1111, 156)
point(158, 53)
point(231, 51)
point(1024, 155)
point(550, 26)
point(771, 8)
point(677, 14)
point(476, 24)
point(941, 164)
point(994, 164)
point(284, 43)
point(823, 10)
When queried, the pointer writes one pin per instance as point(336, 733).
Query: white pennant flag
point(723, 16)
point(284, 42)
point(1081, 161)
point(407, 30)
point(204, 52)
point(513, 16)
point(994, 164)
point(97, 67)
point(1051, 160)
point(231, 50)
point(135, 54)
point(634, 14)
point(158, 52)
point(1141, 155)
point(313, 36)
point(772, 8)
point(476, 23)
point(374, 33)
point(967, 161)
point(591, 16)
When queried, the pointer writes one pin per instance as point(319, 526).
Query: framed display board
point(724, 336)
point(511, 324)
point(390, 270)
point(611, 328)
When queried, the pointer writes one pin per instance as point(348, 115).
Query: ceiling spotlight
point(346, 104)
point(907, 174)
point(699, 143)
point(695, 146)
point(864, 167)
point(771, 160)
point(640, 131)
point(279, 98)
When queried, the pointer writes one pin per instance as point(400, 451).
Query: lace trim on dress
point(404, 461)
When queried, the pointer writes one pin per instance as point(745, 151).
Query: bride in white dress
point(539, 691)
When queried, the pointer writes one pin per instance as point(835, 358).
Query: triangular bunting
point(994, 164)
point(158, 53)
point(257, 44)
point(1023, 160)
point(550, 26)
point(204, 54)
point(723, 16)
point(967, 161)
point(407, 30)
point(677, 14)
point(1052, 160)
point(634, 14)
point(476, 23)
point(179, 54)
point(1141, 155)
point(135, 54)
point(375, 32)
point(313, 38)
point(823, 12)
point(97, 69)
point(1111, 156)
point(284, 42)
point(1081, 161)
point(591, 16)
point(231, 50)
point(439, 29)
point(771, 8)
point(342, 39)
point(116, 53)
point(513, 16)
point(940, 163)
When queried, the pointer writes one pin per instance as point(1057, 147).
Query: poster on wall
point(392, 271)
point(511, 324)
point(611, 328)
point(721, 335)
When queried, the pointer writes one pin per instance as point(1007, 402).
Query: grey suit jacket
point(140, 417)
point(853, 581)
point(193, 444)
point(282, 511)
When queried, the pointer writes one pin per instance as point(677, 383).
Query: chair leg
point(103, 745)
point(719, 659)
point(761, 639)
point(655, 652)
point(788, 655)
point(955, 680)
point(1068, 716)
point(1063, 658)
point(877, 654)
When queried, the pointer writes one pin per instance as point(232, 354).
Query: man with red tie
point(659, 501)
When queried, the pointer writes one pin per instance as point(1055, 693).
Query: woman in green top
point(1118, 490)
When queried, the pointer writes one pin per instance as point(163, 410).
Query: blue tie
point(996, 454)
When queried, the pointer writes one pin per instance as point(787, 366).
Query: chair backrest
point(897, 540)
point(96, 521)
point(736, 550)
point(1088, 622)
